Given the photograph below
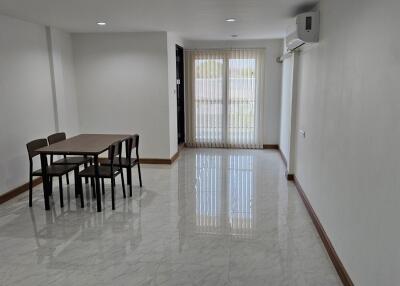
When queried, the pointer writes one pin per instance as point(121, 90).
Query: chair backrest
point(135, 141)
point(34, 145)
point(132, 143)
point(114, 152)
point(57, 137)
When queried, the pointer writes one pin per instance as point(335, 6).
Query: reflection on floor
point(215, 217)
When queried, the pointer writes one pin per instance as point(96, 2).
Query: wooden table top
point(83, 144)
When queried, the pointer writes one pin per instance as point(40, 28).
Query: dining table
point(88, 145)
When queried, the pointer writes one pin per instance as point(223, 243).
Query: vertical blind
point(224, 97)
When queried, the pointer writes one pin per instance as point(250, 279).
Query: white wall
point(172, 41)
point(348, 164)
point(64, 82)
point(286, 107)
point(273, 76)
point(26, 103)
point(32, 104)
point(288, 131)
point(122, 85)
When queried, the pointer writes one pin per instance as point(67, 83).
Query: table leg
point(46, 181)
point(97, 182)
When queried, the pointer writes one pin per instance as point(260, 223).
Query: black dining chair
point(52, 170)
point(107, 172)
point(128, 163)
point(66, 160)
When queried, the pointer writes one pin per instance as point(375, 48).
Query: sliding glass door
point(226, 97)
point(241, 99)
point(210, 99)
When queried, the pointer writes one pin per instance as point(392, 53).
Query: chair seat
point(56, 170)
point(104, 172)
point(125, 162)
point(78, 160)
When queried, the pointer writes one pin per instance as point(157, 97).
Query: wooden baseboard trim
point(181, 146)
point(18, 190)
point(283, 157)
point(173, 159)
point(271, 146)
point(337, 263)
point(341, 270)
point(156, 161)
point(289, 177)
point(25, 187)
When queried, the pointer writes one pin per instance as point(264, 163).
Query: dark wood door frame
point(180, 94)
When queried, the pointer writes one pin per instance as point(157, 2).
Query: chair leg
point(30, 190)
point(78, 186)
point(77, 190)
point(81, 192)
point(86, 179)
point(102, 186)
point(51, 186)
point(123, 183)
point(93, 188)
point(61, 191)
point(129, 178)
point(67, 179)
point(112, 194)
point(140, 175)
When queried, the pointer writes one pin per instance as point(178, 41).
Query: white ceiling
point(192, 19)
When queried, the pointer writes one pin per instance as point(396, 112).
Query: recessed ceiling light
point(230, 20)
point(101, 23)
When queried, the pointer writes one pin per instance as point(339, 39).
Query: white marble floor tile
point(215, 217)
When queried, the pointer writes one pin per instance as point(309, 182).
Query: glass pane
point(241, 99)
point(209, 100)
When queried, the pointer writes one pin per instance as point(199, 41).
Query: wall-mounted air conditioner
point(305, 31)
